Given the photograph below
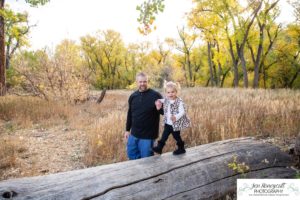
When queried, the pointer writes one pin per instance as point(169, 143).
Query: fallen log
point(204, 172)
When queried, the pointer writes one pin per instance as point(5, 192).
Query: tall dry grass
point(24, 112)
point(219, 114)
point(216, 114)
point(105, 138)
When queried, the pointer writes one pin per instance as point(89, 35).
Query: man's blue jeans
point(139, 148)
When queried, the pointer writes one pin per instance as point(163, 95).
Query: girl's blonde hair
point(173, 85)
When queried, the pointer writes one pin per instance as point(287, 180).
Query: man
point(142, 120)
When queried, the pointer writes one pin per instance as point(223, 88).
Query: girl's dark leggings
point(167, 131)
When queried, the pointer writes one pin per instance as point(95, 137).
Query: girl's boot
point(180, 149)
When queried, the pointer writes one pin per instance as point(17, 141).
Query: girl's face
point(171, 93)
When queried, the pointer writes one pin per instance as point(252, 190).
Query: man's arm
point(128, 120)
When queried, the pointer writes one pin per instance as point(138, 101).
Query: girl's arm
point(159, 105)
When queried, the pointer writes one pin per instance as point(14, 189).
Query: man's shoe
point(157, 149)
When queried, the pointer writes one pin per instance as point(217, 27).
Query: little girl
point(175, 118)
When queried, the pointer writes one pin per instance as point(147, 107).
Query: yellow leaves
point(99, 142)
point(293, 31)
point(151, 21)
point(219, 57)
point(145, 29)
point(238, 167)
point(140, 30)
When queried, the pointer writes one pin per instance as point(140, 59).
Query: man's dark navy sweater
point(142, 116)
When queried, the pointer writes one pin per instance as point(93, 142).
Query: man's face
point(142, 83)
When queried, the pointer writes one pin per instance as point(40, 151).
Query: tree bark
point(100, 99)
point(202, 173)
point(234, 60)
point(216, 82)
point(220, 70)
point(2, 53)
point(210, 64)
point(191, 83)
point(186, 49)
point(290, 85)
point(240, 47)
point(245, 72)
point(223, 77)
point(258, 55)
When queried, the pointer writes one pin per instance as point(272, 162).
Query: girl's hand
point(158, 104)
point(173, 118)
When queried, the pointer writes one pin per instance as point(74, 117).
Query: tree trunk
point(216, 82)
point(220, 70)
point(258, 56)
point(224, 76)
point(100, 99)
point(234, 60)
point(7, 62)
point(290, 84)
point(184, 72)
point(244, 67)
point(264, 75)
point(7, 56)
point(189, 68)
point(2, 54)
point(240, 45)
point(202, 173)
point(207, 82)
point(210, 64)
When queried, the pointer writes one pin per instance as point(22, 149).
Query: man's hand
point(126, 135)
point(158, 104)
point(173, 118)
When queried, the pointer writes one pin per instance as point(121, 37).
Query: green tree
point(212, 19)
point(16, 30)
point(185, 45)
point(2, 42)
point(207, 18)
point(265, 20)
point(286, 72)
point(105, 56)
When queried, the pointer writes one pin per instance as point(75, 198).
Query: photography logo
point(264, 189)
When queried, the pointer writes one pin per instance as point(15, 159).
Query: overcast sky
point(71, 19)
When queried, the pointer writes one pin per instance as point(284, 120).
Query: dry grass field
point(39, 137)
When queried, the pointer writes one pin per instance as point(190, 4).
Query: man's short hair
point(141, 74)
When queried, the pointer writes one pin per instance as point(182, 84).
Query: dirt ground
point(46, 151)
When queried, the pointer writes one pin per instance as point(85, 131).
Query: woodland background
point(238, 67)
point(223, 44)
